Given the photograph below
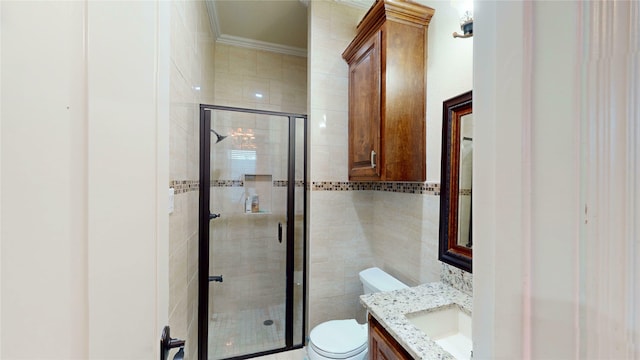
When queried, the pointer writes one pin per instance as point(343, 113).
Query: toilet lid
point(339, 339)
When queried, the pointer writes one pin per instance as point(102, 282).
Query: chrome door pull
point(373, 159)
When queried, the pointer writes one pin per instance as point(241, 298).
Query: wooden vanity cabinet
point(387, 93)
point(382, 346)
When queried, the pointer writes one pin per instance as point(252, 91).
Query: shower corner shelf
point(258, 213)
point(257, 193)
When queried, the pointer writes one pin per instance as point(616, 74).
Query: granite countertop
point(389, 308)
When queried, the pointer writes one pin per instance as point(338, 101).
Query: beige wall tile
point(330, 92)
point(243, 61)
point(178, 318)
point(228, 86)
point(280, 79)
point(255, 90)
point(326, 59)
point(192, 67)
point(178, 276)
point(222, 58)
point(269, 65)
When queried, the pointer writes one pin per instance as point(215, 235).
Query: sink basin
point(449, 326)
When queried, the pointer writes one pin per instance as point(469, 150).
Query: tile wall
point(203, 72)
point(244, 247)
point(457, 278)
point(242, 73)
point(341, 221)
point(191, 80)
point(406, 235)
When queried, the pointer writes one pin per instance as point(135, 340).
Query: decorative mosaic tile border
point(227, 183)
point(457, 278)
point(283, 183)
point(399, 187)
point(184, 186)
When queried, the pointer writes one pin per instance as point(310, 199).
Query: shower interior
point(256, 176)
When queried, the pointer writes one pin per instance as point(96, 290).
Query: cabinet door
point(382, 346)
point(364, 111)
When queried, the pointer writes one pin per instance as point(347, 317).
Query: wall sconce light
point(465, 11)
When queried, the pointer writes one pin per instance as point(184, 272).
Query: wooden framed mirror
point(456, 241)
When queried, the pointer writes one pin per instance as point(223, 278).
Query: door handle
point(280, 232)
point(167, 343)
point(373, 159)
point(213, 216)
point(217, 278)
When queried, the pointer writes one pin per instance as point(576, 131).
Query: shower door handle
point(216, 278)
point(280, 232)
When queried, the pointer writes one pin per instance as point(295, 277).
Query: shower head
point(219, 137)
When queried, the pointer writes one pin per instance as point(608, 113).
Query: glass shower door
point(251, 161)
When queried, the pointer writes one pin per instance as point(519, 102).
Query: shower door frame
point(204, 218)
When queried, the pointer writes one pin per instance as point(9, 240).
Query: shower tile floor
point(244, 332)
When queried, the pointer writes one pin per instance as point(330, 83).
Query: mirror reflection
point(464, 184)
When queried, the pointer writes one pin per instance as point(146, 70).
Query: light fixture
point(244, 139)
point(465, 12)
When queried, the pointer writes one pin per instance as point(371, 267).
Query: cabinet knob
point(373, 159)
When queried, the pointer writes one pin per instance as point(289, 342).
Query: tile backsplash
point(399, 187)
point(457, 278)
point(184, 186)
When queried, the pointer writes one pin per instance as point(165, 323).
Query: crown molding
point(245, 42)
point(213, 18)
point(360, 4)
point(260, 45)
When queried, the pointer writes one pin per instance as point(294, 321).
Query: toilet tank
point(375, 280)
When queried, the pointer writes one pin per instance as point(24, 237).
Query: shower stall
point(252, 232)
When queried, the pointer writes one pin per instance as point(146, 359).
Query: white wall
point(84, 171)
point(555, 266)
point(126, 167)
point(0, 183)
point(44, 171)
point(449, 73)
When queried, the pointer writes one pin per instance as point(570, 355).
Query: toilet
point(346, 339)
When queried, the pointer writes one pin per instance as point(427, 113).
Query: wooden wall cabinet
point(387, 93)
point(382, 346)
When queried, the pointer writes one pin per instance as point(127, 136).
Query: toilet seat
point(339, 339)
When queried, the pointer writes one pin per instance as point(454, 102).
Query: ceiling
point(273, 25)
